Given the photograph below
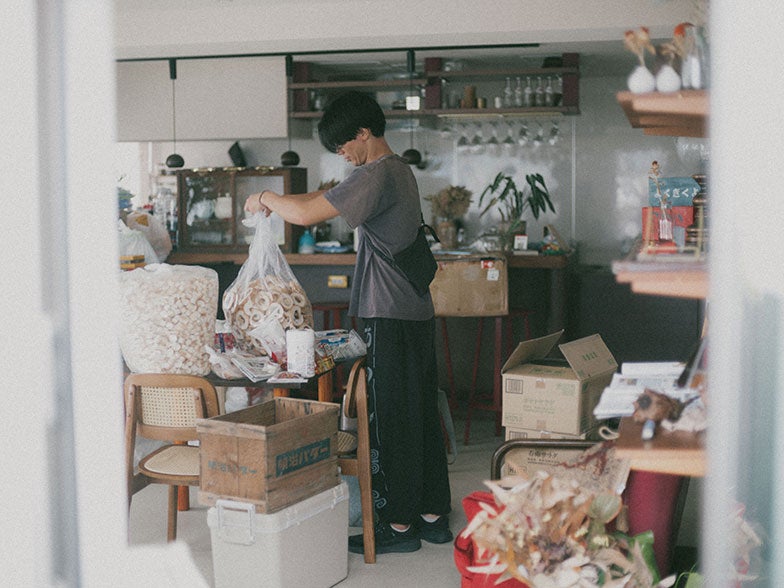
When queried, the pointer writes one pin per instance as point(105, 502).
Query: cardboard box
point(470, 285)
point(273, 454)
point(538, 455)
point(304, 545)
point(557, 396)
point(511, 434)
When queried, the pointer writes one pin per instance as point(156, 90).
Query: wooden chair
point(165, 407)
point(356, 406)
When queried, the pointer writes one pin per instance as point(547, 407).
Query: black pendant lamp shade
point(411, 156)
point(175, 159)
point(289, 157)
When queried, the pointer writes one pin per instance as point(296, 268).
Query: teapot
point(203, 209)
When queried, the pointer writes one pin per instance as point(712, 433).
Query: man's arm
point(298, 209)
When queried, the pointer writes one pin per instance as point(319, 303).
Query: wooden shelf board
point(679, 284)
point(680, 276)
point(683, 113)
point(462, 112)
point(669, 452)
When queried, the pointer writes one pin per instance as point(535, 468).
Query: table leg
point(280, 392)
point(325, 387)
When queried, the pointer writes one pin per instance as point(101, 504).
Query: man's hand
point(254, 203)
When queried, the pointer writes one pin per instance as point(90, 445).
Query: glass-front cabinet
point(211, 206)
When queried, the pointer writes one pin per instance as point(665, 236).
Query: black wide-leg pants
point(407, 450)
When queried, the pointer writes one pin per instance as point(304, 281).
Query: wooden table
point(669, 452)
point(324, 382)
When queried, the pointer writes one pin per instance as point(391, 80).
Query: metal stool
point(502, 347)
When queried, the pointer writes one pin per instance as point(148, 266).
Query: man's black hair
point(346, 115)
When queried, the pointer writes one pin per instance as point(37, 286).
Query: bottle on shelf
point(528, 94)
point(508, 97)
point(548, 93)
point(518, 92)
point(539, 92)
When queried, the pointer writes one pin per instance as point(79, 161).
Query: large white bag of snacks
point(167, 317)
point(265, 285)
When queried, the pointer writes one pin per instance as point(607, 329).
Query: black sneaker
point(435, 532)
point(388, 540)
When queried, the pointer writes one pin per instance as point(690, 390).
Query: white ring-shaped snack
point(286, 301)
point(298, 298)
point(229, 299)
point(276, 310)
point(241, 320)
point(297, 319)
point(256, 316)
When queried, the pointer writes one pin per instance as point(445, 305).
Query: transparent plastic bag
point(265, 286)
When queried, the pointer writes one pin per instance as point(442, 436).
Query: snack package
point(265, 286)
point(167, 317)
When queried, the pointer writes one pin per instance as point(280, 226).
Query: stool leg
point(475, 372)
point(448, 360)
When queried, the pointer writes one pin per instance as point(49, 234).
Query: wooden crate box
point(273, 454)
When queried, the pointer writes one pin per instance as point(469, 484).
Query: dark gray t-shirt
point(381, 199)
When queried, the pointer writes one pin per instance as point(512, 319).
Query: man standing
point(380, 197)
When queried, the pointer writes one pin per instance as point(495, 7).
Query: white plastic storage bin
point(305, 545)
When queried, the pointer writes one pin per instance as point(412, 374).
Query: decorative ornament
point(638, 42)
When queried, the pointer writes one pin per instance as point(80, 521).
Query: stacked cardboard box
point(547, 399)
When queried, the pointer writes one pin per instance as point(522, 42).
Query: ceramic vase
point(641, 80)
point(667, 79)
point(447, 233)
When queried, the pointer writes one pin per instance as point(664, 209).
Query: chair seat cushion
point(172, 460)
point(347, 442)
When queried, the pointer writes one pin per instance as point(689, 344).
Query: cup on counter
point(223, 207)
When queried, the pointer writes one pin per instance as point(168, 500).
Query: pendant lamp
point(411, 155)
point(174, 160)
point(289, 157)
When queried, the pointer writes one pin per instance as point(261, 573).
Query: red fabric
point(465, 550)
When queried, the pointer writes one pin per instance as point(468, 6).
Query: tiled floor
point(433, 566)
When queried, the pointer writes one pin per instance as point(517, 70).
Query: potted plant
point(447, 206)
point(512, 202)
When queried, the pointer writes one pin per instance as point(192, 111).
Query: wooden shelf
point(669, 452)
point(462, 112)
point(678, 279)
point(683, 113)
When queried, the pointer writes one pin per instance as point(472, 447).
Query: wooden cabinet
point(218, 98)
point(211, 202)
point(432, 86)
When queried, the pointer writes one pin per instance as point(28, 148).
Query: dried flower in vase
point(450, 203)
point(638, 42)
